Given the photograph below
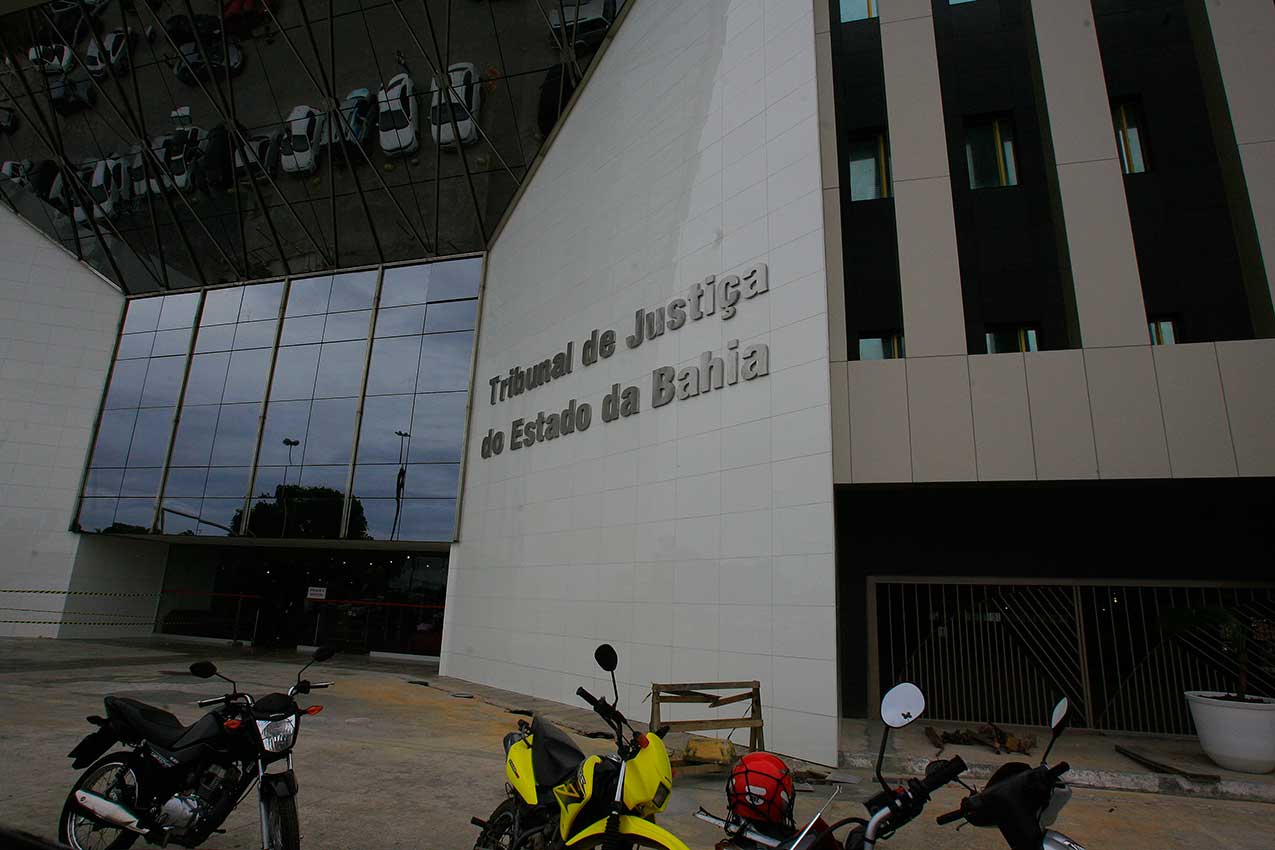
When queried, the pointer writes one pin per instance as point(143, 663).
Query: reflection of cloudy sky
point(416, 384)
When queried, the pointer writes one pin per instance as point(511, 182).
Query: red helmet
point(760, 790)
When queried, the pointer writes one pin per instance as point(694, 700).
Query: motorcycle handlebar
point(204, 703)
point(950, 770)
point(944, 820)
point(1058, 770)
point(587, 697)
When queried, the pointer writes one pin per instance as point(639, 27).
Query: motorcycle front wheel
point(110, 777)
point(498, 834)
point(282, 824)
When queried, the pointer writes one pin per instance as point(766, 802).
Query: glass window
point(989, 152)
point(444, 364)
point(869, 168)
point(858, 10)
point(353, 291)
point(958, 2)
point(1130, 136)
point(261, 302)
point(413, 423)
point(886, 346)
point(451, 316)
point(1009, 340)
point(1163, 331)
point(394, 365)
point(400, 321)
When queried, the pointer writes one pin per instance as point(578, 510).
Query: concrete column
point(929, 268)
point(1243, 38)
point(1104, 266)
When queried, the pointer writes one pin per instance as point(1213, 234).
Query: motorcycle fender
point(637, 827)
point(94, 744)
point(279, 784)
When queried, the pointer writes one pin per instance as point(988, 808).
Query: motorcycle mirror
point(1058, 722)
point(606, 657)
point(323, 653)
point(203, 669)
point(901, 705)
point(1059, 718)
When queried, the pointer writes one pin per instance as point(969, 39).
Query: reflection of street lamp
point(291, 444)
point(401, 483)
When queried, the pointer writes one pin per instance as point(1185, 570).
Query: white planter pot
point(1237, 735)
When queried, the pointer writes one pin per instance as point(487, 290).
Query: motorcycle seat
point(554, 756)
point(159, 726)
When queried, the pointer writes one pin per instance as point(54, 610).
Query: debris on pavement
point(1161, 767)
point(988, 735)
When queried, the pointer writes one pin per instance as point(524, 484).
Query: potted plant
point(1236, 728)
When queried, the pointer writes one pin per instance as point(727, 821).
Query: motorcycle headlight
point(278, 736)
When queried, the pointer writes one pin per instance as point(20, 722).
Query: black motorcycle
point(177, 784)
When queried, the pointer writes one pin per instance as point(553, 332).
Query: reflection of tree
point(312, 512)
point(124, 528)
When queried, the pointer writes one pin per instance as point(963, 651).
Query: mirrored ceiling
point(182, 143)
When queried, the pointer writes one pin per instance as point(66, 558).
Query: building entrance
point(356, 599)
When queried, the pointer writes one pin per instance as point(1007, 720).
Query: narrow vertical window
point(869, 167)
point(1163, 331)
point(858, 10)
point(1011, 339)
point(989, 152)
point(881, 346)
point(1126, 117)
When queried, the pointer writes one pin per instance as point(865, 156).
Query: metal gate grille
point(1004, 651)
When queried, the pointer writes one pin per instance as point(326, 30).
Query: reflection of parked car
point(8, 119)
point(356, 118)
point(40, 178)
point(590, 26)
point(69, 26)
point(70, 95)
point(116, 46)
point(190, 67)
point(66, 197)
point(260, 158)
point(306, 128)
point(51, 58)
point(16, 170)
point(555, 91)
point(183, 150)
point(461, 102)
point(109, 187)
point(137, 168)
point(397, 116)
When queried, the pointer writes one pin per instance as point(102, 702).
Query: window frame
point(998, 121)
point(881, 161)
point(1120, 112)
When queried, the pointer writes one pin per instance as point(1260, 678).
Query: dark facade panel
point(1006, 235)
point(1178, 208)
point(868, 230)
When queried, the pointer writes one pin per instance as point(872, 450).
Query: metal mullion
point(71, 176)
point(407, 161)
point(375, 173)
point(336, 113)
point(265, 407)
point(157, 518)
point(235, 130)
point(110, 69)
point(1000, 153)
point(445, 76)
point(358, 410)
point(151, 161)
point(509, 89)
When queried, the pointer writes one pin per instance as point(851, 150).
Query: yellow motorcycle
point(558, 798)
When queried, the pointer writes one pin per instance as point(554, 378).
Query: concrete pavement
point(394, 764)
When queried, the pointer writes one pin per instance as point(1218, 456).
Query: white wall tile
point(1249, 389)
point(1128, 424)
point(940, 419)
point(1062, 426)
point(1002, 420)
point(1195, 423)
point(720, 151)
point(880, 445)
